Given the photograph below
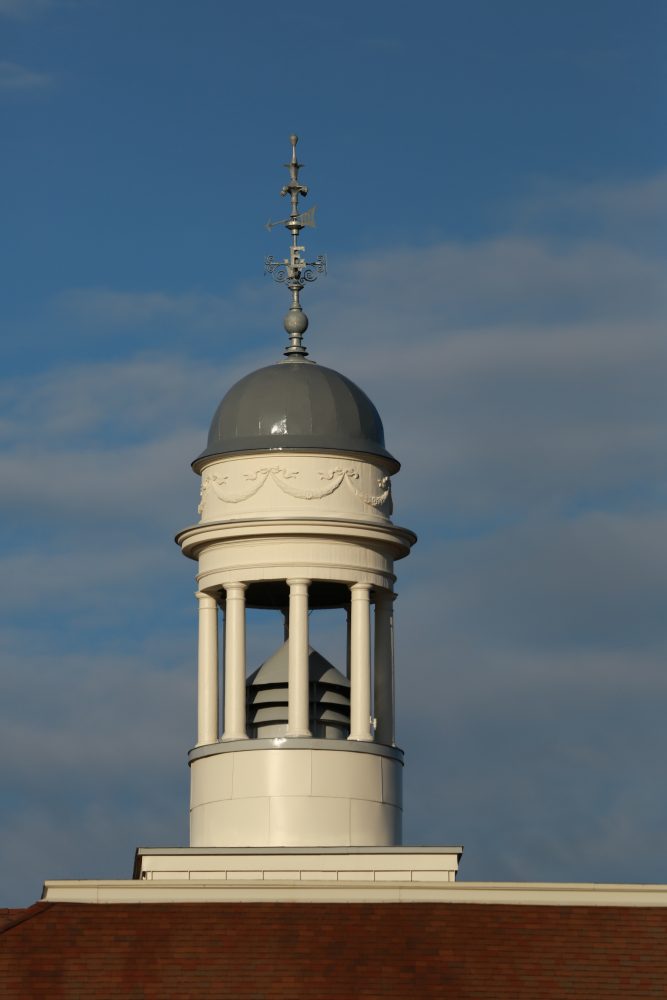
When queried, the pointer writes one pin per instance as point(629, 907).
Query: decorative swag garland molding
point(286, 480)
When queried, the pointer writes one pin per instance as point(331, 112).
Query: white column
point(297, 694)
point(207, 671)
point(384, 668)
point(235, 724)
point(360, 663)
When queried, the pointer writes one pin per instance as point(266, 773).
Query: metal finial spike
point(294, 166)
point(294, 189)
point(295, 271)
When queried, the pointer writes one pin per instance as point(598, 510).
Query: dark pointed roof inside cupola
point(295, 405)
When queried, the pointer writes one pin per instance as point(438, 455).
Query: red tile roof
point(461, 951)
point(7, 916)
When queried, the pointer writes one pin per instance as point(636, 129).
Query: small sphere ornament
point(296, 322)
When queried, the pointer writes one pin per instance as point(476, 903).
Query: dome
point(295, 405)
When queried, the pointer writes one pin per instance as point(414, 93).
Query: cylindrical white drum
point(296, 793)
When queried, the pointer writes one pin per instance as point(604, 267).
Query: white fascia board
point(514, 893)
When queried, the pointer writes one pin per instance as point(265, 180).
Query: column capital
point(295, 581)
point(360, 589)
point(202, 596)
point(235, 588)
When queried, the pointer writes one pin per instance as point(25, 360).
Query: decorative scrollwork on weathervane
point(276, 268)
point(295, 271)
point(314, 269)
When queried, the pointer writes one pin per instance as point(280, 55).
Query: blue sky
point(491, 182)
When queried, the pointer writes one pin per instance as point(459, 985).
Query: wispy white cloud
point(425, 291)
point(56, 758)
point(104, 309)
point(69, 582)
point(551, 743)
point(42, 722)
point(513, 419)
point(81, 837)
point(634, 198)
point(140, 397)
point(111, 308)
point(594, 579)
point(529, 372)
point(624, 211)
point(17, 79)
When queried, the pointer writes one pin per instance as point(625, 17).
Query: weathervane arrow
point(307, 220)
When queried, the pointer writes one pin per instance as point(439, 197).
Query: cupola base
point(294, 873)
point(287, 792)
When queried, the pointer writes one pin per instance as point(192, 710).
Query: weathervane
point(295, 270)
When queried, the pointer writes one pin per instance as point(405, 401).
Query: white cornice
point(493, 893)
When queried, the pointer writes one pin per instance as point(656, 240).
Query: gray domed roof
point(295, 405)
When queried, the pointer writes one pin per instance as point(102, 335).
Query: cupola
point(295, 516)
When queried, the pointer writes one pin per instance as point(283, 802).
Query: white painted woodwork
point(295, 484)
point(345, 865)
point(235, 663)
point(428, 889)
point(297, 713)
point(360, 663)
point(278, 549)
point(207, 673)
point(297, 518)
point(291, 797)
